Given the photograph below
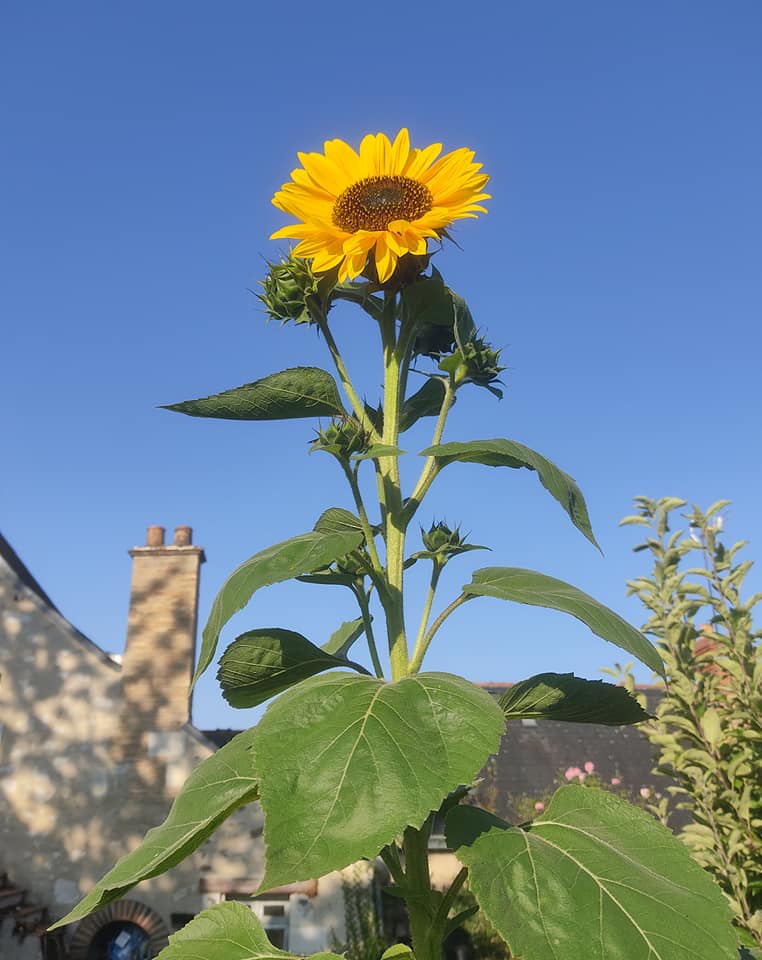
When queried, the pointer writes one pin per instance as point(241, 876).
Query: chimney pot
point(155, 537)
point(183, 536)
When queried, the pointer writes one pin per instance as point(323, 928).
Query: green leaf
point(426, 402)
point(261, 663)
point(227, 931)
point(539, 590)
point(379, 450)
point(291, 394)
point(282, 561)
point(593, 879)
point(509, 453)
point(347, 762)
point(397, 951)
point(216, 788)
point(338, 520)
point(562, 696)
point(341, 642)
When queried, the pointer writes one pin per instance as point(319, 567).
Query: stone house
point(94, 747)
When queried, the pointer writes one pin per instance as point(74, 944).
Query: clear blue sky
point(619, 267)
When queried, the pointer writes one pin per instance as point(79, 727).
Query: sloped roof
point(16, 564)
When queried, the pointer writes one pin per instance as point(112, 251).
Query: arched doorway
point(126, 930)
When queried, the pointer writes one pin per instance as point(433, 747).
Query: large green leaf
point(282, 561)
point(509, 453)
point(347, 762)
point(227, 931)
point(539, 590)
point(290, 394)
point(217, 787)
point(261, 663)
point(562, 696)
point(594, 879)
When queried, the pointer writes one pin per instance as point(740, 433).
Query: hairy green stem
point(437, 567)
point(420, 651)
point(367, 530)
point(430, 467)
point(394, 527)
point(362, 601)
point(346, 382)
point(422, 903)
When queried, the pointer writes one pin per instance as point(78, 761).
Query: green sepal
point(562, 696)
point(540, 590)
point(261, 663)
point(347, 762)
point(215, 789)
point(291, 394)
point(282, 561)
point(228, 931)
point(510, 453)
point(593, 876)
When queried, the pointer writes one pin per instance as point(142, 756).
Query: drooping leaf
point(227, 931)
point(510, 453)
point(540, 590)
point(347, 762)
point(216, 788)
point(594, 879)
point(425, 402)
point(261, 663)
point(282, 561)
point(562, 696)
point(290, 394)
point(341, 642)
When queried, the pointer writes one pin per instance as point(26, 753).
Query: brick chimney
point(158, 660)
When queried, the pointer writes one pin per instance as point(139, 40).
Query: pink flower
point(615, 781)
point(539, 806)
point(589, 766)
point(645, 793)
point(573, 772)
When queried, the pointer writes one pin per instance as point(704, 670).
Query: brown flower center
point(372, 203)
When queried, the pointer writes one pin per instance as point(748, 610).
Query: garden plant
point(708, 727)
point(355, 754)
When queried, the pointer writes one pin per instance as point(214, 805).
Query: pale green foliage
point(364, 938)
point(709, 726)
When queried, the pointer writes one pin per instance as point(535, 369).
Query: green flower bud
point(475, 362)
point(343, 437)
point(293, 292)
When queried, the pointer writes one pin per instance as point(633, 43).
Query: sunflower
point(387, 199)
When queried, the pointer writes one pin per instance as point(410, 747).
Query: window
point(272, 913)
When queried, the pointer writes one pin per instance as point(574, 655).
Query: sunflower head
point(293, 292)
point(370, 208)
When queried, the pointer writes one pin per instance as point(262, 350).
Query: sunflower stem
point(420, 650)
point(392, 495)
point(346, 382)
point(362, 601)
point(430, 467)
point(435, 573)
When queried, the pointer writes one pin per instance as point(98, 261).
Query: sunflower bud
point(343, 437)
point(440, 539)
point(293, 292)
point(475, 362)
